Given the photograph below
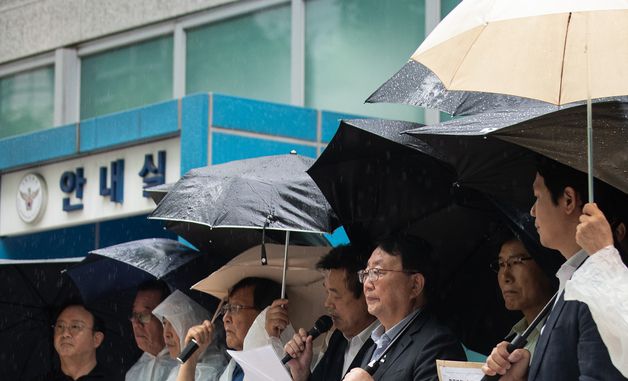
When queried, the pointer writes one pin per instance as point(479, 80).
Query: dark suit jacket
point(570, 347)
point(321, 372)
point(414, 356)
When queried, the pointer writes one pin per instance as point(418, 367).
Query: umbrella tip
point(264, 257)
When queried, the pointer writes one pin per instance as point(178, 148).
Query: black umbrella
point(271, 191)
point(158, 192)
point(416, 85)
point(110, 270)
point(233, 206)
point(381, 182)
point(559, 135)
point(32, 292)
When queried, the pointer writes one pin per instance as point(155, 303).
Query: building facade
point(100, 99)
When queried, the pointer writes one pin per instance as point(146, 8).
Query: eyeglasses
point(374, 274)
point(234, 308)
point(73, 328)
point(499, 264)
point(141, 317)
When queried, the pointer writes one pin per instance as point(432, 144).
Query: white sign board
point(110, 183)
point(459, 370)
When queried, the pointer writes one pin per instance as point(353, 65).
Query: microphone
point(322, 325)
point(187, 351)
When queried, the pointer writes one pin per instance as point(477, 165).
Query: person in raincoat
point(178, 313)
point(602, 281)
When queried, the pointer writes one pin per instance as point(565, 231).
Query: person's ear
point(99, 337)
point(418, 284)
point(571, 201)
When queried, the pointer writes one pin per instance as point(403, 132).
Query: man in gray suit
point(570, 347)
point(397, 284)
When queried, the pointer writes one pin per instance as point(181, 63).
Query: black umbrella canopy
point(271, 192)
point(110, 270)
point(416, 85)
point(158, 192)
point(381, 182)
point(559, 135)
point(32, 294)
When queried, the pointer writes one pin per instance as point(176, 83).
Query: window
point(447, 6)
point(246, 56)
point(353, 46)
point(127, 77)
point(26, 102)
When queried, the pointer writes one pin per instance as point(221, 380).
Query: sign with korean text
point(93, 188)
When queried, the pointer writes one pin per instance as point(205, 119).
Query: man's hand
point(594, 232)
point(512, 367)
point(300, 348)
point(358, 374)
point(277, 317)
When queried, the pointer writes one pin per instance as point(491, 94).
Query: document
point(459, 370)
point(261, 364)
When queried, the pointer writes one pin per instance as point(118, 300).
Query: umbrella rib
point(562, 67)
point(465, 56)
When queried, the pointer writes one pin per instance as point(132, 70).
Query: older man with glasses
point(155, 363)
point(398, 283)
point(246, 300)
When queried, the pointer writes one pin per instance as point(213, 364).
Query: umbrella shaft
point(285, 265)
point(590, 149)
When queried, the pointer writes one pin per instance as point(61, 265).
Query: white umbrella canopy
point(557, 51)
point(304, 282)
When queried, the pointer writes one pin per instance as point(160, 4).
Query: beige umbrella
point(557, 51)
point(304, 282)
point(540, 49)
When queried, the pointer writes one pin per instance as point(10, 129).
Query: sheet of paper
point(261, 364)
point(459, 370)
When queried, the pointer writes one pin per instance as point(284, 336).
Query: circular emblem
point(31, 198)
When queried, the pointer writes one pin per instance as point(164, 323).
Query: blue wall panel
point(194, 131)
point(60, 243)
point(159, 119)
point(130, 229)
point(129, 126)
point(227, 147)
point(264, 117)
point(78, 241)
point(37, 146)
point(109, 130)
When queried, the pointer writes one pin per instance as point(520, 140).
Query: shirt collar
point(392, 332)
point(569, 267)
point(164, 352)
point(364, 335)
point(522, 325)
